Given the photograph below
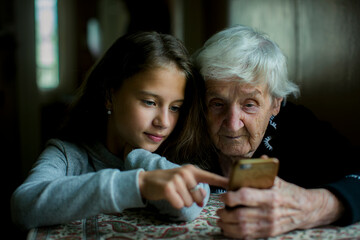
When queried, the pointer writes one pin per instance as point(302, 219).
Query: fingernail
point(203, 193)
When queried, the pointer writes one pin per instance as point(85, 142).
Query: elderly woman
point(248, 116)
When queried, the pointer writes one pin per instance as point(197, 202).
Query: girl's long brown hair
point(129, 55)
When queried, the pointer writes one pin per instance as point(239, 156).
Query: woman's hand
point(178, 185)
point(270, 212)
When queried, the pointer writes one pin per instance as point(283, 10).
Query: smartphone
point(254, 173)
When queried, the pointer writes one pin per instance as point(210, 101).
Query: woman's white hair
point(245, 54)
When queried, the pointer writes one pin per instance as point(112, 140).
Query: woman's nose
point(234, 119)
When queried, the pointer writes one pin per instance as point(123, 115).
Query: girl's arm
point(148, 161)
point(58, 191)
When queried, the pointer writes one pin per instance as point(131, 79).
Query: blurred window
point(47, 44)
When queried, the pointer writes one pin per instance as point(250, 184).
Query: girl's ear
point(108, 104)
point(108, 99)
point(276, 106)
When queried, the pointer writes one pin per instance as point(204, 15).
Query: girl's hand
point(178, 185)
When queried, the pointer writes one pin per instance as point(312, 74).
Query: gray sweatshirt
point(71, 182)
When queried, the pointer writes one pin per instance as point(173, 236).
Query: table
point(143, 224)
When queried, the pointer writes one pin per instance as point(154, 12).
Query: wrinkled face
point(238, 115)
point(145, 109)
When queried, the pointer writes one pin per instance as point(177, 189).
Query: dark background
point(320, 38)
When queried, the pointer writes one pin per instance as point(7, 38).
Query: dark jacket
point(312, 154)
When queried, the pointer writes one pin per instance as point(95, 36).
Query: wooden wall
point(321, 40)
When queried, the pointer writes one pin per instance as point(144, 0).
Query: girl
point(141, 95)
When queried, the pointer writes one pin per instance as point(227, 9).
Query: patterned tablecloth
point(143, 224)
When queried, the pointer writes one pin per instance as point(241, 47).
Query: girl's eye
point(149, 102)
point(175, 108)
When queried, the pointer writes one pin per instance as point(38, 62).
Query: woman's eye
point(250, 107)
point(148, 103)
point(216, 104)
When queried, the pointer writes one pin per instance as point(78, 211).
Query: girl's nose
point(162, 119)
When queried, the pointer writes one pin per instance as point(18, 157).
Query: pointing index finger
point(210, 178)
